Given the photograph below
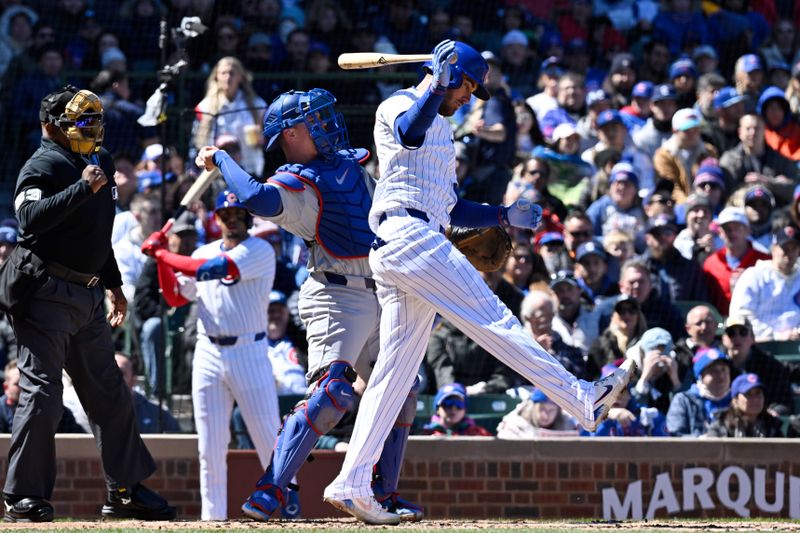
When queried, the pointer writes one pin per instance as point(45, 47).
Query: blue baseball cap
point(552, 236)
point(623, 171)
point(277, 297)
point(655, 337)
point(744, 383)
point(590, 248)
point(705, 357)
point(726, 97)
point(750, 62)
point(609, 116)
point(563, 276)
point(710, 174)
point(682, 67)
point(456, 390)
point(539, 397)
point(643, 89)
point(552, 63)
point(665, 91)
point(598, 95)
point(8, 235)
point(662, 221)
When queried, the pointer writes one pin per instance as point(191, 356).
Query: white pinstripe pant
point(221, 374)
point(419, 273)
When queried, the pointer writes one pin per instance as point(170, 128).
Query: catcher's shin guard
point(387, 469)
point(330, 399)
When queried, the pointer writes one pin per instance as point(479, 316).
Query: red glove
point(156, 241)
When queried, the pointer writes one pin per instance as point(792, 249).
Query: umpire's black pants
point(65, 327)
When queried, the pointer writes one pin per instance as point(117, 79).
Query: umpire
point(53, 289)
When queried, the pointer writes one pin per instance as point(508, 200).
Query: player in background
point(323, 195)
point(420, 273)
point(231, 280)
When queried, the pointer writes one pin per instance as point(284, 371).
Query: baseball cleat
point(368, 510)
point(407, 511)
point(28, 510)
point(608, 389)
point(261, 504)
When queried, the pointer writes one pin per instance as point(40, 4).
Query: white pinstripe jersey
point(232, 308)
point(420, 179)
point(299, 216)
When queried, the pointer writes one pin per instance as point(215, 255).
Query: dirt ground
point(458, 525)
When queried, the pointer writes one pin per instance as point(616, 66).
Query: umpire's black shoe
point(140, 503)
point(28, 510)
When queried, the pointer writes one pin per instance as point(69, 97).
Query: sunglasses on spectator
point(739, 331)
point(661, 200)
point(452, 403)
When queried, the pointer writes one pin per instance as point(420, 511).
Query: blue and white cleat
point(368, 510)
point(608, 389)
point(407, 511)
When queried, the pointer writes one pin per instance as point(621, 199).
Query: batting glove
point(441, 65)
point(156, 241)
point(522, 214)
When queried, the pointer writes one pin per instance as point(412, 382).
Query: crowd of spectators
point(661, 138)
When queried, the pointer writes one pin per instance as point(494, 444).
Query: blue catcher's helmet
point(469, 62)
point(315, 108)
point(228, 198)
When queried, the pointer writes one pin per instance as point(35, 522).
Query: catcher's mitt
point(486, 248)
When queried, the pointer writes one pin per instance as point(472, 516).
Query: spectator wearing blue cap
point(766, 292)
point(8, 241)
point(723, 134)
point(748, 76)
point(691, 411)
point(597, 101)
point(706, 59)
point(680, 27)
point(451, 417)
point(680, 278)
point(782, 132)
point(550, 72)
point(696, 241)
point(619, 208)
point(679, 157)
point(747, 415)
point(536, 417)
point(658, 128)
point(759, 206)
point(591, 270)
point(683, 76)
point(639, 107)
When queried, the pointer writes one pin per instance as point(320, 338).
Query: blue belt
point(230, 341)
point(340, 279)
point(416, 213)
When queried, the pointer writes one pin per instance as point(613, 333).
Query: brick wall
point(466, 477)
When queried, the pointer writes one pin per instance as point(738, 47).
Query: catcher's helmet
point(315, 108)
point(228, 198)
point(469, 62)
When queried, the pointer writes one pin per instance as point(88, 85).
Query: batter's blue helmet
point(315, 108)
point(469, 62)
point(228, 198)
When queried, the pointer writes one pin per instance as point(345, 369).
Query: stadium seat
point(782, 350)
point(490, 405)
point(684, 306)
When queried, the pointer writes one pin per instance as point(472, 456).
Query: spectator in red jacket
point(723, 267)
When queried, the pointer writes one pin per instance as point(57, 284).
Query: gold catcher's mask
point(82, 123)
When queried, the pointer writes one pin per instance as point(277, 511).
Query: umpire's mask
point(82, 123)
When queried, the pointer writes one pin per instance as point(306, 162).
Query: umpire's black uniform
point(64, 325)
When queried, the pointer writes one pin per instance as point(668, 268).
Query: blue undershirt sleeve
point(410, 127)
point(474, 215)
point(260, 198)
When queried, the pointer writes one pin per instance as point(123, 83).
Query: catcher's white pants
point(221, 374)
point(419, 273)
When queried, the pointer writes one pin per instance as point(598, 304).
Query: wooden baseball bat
point(357, 60)
point(203, 182)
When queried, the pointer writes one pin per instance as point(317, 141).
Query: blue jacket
point(689, 414)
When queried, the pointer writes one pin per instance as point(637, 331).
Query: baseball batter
point(323, 195)
point(231, 280)
point(420, 273)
